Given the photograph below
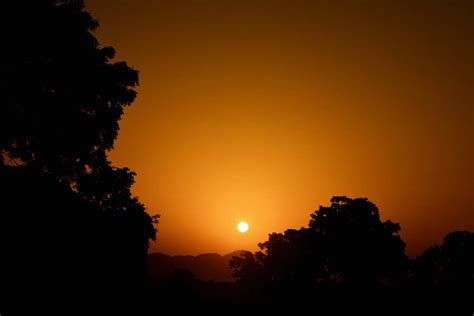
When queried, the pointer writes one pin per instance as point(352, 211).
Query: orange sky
point(263, 110)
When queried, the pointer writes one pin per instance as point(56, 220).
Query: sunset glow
point(273, 107)
point(186, 156)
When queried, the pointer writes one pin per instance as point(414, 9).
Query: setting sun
point(243, 227)
point(343, 131)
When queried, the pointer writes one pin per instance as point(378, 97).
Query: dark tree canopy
point(448, 264)
point(248, 268)
point(67, 213)
point(358, 246)
point(345, 243)
point(291, 257)
point(62, 94)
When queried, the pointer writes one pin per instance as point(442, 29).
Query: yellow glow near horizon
point(242, 227)
point(263, 110)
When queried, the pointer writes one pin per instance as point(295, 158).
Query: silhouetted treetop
point(63, 97)
point(62, 94)
point(451, 263)
point(359, 247)
point(248, 267)
point(345, 242)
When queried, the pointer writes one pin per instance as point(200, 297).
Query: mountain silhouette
point(205, 267)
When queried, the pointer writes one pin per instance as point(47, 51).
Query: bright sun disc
point(242, 227)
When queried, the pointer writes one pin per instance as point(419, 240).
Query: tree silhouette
point(291, 259)
point(450, 264)
point(62, 94)
point(345, 243)
point(68, 215)
point(63, 98)
point(248, 268)
point(357, 246)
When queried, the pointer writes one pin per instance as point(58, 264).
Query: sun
point(242, 227)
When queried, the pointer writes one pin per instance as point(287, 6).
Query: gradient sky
point(263, 110)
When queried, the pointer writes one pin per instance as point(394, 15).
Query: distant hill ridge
point(206, 266)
